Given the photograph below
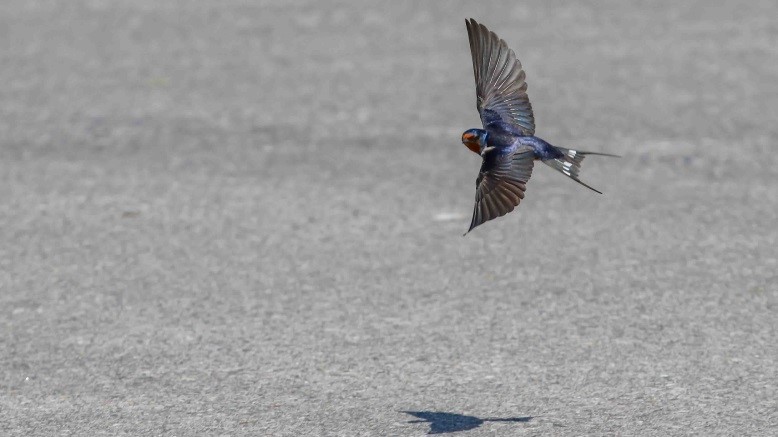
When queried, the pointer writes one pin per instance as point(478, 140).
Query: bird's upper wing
point(501, 184)
point(499, 81)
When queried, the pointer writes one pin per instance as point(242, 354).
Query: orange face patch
point(471, 142)
point(473, 146)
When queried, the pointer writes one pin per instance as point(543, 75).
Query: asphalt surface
point(234, 218)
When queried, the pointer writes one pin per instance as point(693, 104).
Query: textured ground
point(230, 218)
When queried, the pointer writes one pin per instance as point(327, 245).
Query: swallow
point(507, 143)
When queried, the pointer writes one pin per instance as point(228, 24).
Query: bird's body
point(507, 142)
point(510, 142)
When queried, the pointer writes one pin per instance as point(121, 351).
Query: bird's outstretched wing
point(499, 81)
point(501, 184)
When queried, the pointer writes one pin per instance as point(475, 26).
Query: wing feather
point(501, 89)
point(501, 184)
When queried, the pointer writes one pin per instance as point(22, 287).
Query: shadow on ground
point(441, 423)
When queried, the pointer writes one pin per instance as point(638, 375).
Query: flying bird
point(507, 143)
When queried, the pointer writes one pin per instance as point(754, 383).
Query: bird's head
point(474, 139)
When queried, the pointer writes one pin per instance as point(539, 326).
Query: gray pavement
point(237, 218)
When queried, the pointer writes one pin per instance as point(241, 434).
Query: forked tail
point(569, 164)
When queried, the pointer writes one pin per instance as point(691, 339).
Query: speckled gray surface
point(222, 218)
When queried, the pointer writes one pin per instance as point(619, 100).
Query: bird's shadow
point(441, 423)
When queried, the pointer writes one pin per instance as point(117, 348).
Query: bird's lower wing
point(501, 184)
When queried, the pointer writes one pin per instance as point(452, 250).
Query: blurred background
point(246, 219)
